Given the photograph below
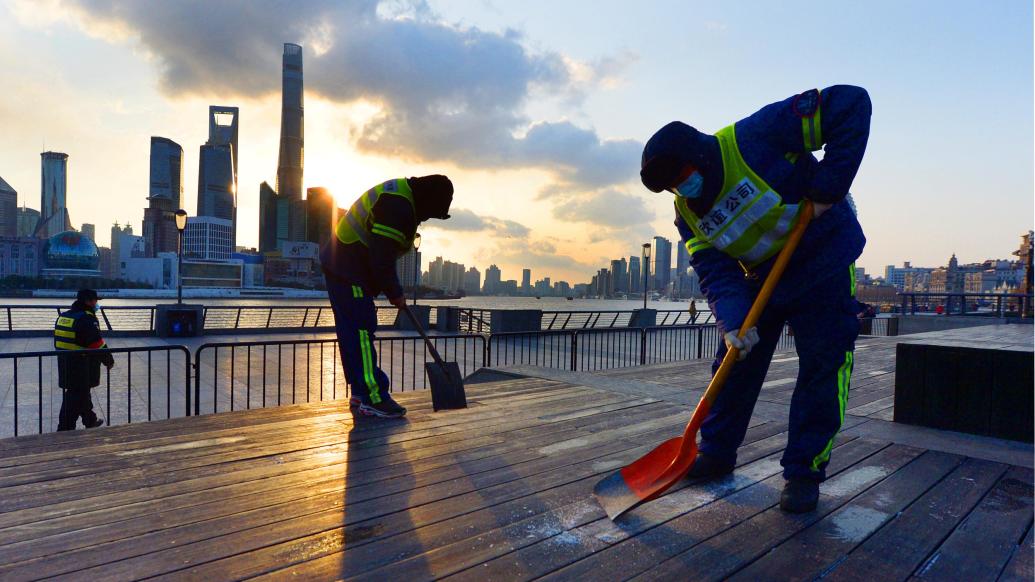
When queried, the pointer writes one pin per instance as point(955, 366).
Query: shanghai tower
point(289, 166)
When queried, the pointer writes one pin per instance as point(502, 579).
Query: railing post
point(237, 322)
point(643, 346)
point(574, 350)
point(269, 318)
point(186, 355)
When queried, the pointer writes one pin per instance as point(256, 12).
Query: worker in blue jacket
point(359, 264)
point(738, 194)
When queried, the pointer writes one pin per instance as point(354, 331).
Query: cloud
point(461, 219)
point(443, 92)
point(609, 208)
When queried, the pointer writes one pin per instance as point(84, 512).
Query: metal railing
point(974, 304)
point(619, 318)
point(143, 385)
point(19, 318)
point(243, 375)
point(609, 348)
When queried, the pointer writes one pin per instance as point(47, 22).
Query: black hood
point(432, 196)
point(671, 148)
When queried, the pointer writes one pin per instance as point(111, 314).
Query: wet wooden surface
point(502, 491)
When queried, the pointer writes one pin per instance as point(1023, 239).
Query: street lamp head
point(181, 219)
point(646, 250)
point(416, 241)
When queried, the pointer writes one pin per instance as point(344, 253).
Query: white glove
point(744, 344)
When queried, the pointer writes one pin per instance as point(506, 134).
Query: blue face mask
point(691, 187)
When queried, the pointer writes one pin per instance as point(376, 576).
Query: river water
point(476, 302)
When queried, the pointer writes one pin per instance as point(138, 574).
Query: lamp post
point(181, 224)
point(646, 270)
point(416, 265)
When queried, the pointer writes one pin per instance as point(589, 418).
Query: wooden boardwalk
point(502, 491)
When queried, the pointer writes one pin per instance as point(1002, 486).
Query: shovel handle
point(779, 266)
point(423, 334)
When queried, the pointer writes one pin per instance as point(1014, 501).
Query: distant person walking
point(737, 195)
point(78, 329)
point(359, 263)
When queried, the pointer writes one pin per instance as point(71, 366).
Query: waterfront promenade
point(502, 490)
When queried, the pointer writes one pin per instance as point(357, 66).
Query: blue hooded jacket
point(833, 241)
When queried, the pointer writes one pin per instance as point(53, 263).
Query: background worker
point(78, 329)
point(738, 194)
point(359, 263)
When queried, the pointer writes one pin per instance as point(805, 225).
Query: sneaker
point(96, 423)
point(799, 495)
point(387, 408)
point(706, 467)
point(355, 401)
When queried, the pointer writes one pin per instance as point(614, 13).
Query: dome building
point(70, 254)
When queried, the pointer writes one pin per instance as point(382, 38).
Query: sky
point(537, 110)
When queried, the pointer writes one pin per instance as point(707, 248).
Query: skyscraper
point(321, 215)
point(682, 259)
point(526, 281)
point(89, 231)
point(8, 210)
point(165, 196)
point(635, 278)
point(289, 166)
point(268, 219)
point(216, 196)
point(662, 263)
point(223, 123)
point(619, 276)
point(28, 221)
point(53, 194)
point(217, 167)
point(407, 268)
point(492, 280)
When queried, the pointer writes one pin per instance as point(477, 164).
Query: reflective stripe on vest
point(357, 225)
point(748, 221)
point(64, 329)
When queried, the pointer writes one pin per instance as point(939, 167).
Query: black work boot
point(387, 408)
point(799, 495)
point(706, 467)
point(95, 424)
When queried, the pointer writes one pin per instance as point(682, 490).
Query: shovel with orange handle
point(652, 474)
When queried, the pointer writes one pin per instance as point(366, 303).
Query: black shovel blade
point(447, 386)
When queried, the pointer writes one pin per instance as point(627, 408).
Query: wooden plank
point(188, 486)
point(64, 534)
point(566, 502)
point(561, 548)
point(143, 555)
point(207, 449)
point(981, 546)
point(899, 548)
point(82, 487)
point(1019, 568)
point(729, 551)
point(808, 554)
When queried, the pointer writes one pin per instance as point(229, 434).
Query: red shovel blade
point(647, 477)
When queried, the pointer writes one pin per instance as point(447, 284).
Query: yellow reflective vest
point(358, 223)
point(749, 220)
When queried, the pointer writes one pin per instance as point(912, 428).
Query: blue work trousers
point(825, 328)
point(355, 322)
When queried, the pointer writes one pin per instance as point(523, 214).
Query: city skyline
point(571, 215)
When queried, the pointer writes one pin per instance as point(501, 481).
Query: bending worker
point(737, 196)
point(78, 329)
point(359, 263)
